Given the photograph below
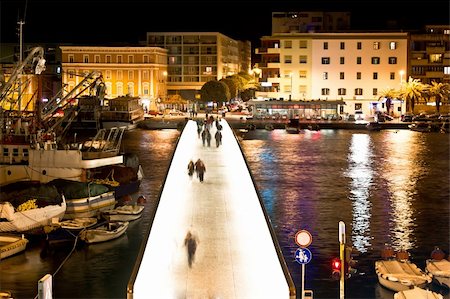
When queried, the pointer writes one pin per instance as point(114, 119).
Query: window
point(325, 45)
point(287, 59)
point(145, 58)
point(342, 91)
point(25, 152)
point(325, 76)
point(375, 91)
point(303, 44)
point(392, 60)
point(375, 60)
point(302, 89)
point(130, 58)
point(303, 59)
point(119, 86)
point(392, 76)
point(358, 92)
point(145, 75)
point(119, 75)
point(130, 75)
point(15, 152)
point(447, 70)
point(435, 58)
point(86, 58)
point(358, 106)
point(145, 87)
point(119, 58)
point(358, 75)
point(71, 58)
point(287, 88)
point(288, 44)
point(392, 45)
point(342, 46)
point(5, 152)
point(342, 60)
point(325, 60)
point(130, 88)
point(302, 74)
point(71, 74)
point(359, 45)
point(375, 76)
point(376, 45)
point(341, 76)
point(358, 60)
point(97, 58)
point(108, 58)
point(108, 75)
point(325, 91)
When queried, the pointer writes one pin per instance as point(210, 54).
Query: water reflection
point(403, 170)
point(361, 173)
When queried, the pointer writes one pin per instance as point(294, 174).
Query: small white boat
point(440, 271)
point(417, 293)
point(400, 275)
point(124, 213)
point(11, 244)
point(103, 232)
point(78, 223)
point(29, 218)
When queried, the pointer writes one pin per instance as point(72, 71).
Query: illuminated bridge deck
point(237, 254)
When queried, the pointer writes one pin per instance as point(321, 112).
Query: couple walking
point(199, 168)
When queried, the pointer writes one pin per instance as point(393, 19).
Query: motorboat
point(399, 273)
point(439, 268)
point(78, 224)
point(417, 293)
point(104, 231)
point(420, 127)
point(374, 126)
point(11, 245)
point(293, 126)
point(124, 111)
point(124, 213)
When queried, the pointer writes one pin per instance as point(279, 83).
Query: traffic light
point(336, 268)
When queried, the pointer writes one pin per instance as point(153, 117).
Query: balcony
point(434, 74)
point(273, 65)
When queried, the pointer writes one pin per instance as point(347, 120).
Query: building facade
point(318, 67)
point(133, 71)
point(195, 58)
point(429, 54)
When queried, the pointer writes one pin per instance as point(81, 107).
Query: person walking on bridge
point(191, 242)
point(191, 168)
point(200, 168)
point(218, 137)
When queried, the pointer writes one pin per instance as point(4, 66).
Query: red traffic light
point(336, 264)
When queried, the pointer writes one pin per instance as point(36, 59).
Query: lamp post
point(290, 96)
point(401, 72)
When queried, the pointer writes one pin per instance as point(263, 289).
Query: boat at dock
point(124, 213)
point(103, 232)
point(417, 293)
point(439, 268)
point(11, 244)
point(124, 111)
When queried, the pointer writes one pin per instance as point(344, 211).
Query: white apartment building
point(195, 58)
point(353, 68)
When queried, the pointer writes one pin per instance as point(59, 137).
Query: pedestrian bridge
point(237, 253)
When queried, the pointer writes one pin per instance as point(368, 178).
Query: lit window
point(393, 45)
point(302, 74)
point(376, 45)
point(325, 76)
point(447, 70)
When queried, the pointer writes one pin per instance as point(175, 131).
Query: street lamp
point(290, 96)
point(401, 72)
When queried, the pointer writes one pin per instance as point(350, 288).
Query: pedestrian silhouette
point(191, 168)
point(208, 137)
point(204, 136)
point(218, 137)
point(191, 242)
point(200, 168)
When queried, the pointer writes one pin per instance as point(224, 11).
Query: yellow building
point(134, 71)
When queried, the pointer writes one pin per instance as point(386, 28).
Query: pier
point(237, 254)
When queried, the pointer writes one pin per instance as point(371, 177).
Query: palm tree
point(440, 92)
point(388, 94)
point(412, 91)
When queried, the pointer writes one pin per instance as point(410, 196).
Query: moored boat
point(439, 268)
point(400, 274)
point(103, 232)
point(417, 293)
point(420, 127)
point(11, 245)
point(123, 111)
point(124, 213)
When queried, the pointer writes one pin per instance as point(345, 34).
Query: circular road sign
point(303, 256)
point(303, 238)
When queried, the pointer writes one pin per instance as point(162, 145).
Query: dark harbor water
point(388, 187)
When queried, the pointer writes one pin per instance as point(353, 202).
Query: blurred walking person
point(191, 168)
point(218, 137)
point(191, 242)
point(200, 168)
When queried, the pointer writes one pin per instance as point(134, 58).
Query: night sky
point(114, 21)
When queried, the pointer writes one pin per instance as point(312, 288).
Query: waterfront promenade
point(237, 253)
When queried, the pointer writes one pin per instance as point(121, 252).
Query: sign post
point(342, 257)
point(303, 255)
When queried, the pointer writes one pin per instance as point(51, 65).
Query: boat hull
point(11, 245)
point(124, 213)
point(440, 271)
point(103, 233)
point(89, 206)
point(400, 275)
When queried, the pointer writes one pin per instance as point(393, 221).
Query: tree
point(214, 91)
point(412, 91)
point(440, 92)
point(232, 86)
point(389, 94)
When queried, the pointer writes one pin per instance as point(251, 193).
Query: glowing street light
point(401, 72)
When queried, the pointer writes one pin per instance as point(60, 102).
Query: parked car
point(407, 117)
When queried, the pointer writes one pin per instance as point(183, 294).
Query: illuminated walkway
point(236, 256)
